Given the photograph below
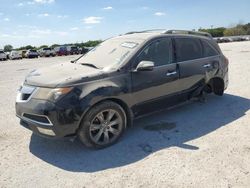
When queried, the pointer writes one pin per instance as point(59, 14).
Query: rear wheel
point(103, 125)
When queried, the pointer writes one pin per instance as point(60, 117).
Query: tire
point(103, 125)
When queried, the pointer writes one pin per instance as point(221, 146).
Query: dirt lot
point(196, 145)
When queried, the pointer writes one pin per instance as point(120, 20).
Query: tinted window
point(160, 52)
point(208, 50)
point(188, 49)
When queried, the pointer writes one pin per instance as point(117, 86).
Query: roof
point(148, 34)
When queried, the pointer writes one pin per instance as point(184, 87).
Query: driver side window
point(159, 52)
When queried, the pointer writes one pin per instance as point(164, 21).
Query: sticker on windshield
point(129, 44)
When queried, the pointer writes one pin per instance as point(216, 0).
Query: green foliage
point(216, 32)
point(239, 29)
point(235, 31)
point(28, 47)
point(43, 46)
point(7, 48)
point(54, 45)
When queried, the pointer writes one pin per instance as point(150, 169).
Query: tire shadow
point(173, 127)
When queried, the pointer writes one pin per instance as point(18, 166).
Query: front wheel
point(103, 125)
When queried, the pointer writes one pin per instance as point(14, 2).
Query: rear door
point(151, 88)
point(193, 66)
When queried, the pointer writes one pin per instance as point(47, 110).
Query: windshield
point(110, 53)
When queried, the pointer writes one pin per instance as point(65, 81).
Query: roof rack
point(189, 33)
point(164, 31)
point(147, 31)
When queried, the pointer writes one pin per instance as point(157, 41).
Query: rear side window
point(188, 49)
point(159, 52)
point(208, 50)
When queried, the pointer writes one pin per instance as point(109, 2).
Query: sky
point(37, 22)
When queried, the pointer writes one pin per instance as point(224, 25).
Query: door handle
point(171, 73)
point(207, 65)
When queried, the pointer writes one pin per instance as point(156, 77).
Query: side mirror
point(145, 66)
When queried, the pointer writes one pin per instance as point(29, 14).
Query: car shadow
point(162, 130)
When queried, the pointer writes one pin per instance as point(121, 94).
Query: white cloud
point(88, 27)
point(43, 15)
point(20, 4)
point(27, 14)
point(74, 28)
point(5, 35)
point(61, 33)
point(108, 8)
point(6, 19)
point(160, 14)
point(62, 16)
point(92, 20)
point(30, 2)
point(44, 1)
point(145, 8)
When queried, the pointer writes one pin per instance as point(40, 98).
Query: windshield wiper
point(90, 65)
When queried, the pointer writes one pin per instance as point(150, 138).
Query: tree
point(235, 31)
point(8, 48)
point(54, 45)
point(216, 32)
point(43, 46)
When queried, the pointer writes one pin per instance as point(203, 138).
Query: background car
point(23, 52)
point(31, 54)
point(61, 50)
point(72, 50)
point(84, 50)
point(15, 55)
point(46, 52)
point(3, 55)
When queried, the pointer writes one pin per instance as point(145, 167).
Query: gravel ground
point(195, 145)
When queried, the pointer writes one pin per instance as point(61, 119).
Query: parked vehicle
point(31, 54)
point(46, 52)
point(61, 50)
point(84, 50)
point(72, 50)
point(3, 55)
point(23, 52)
point(97, 96)
point(15, 55)
point(226, 39)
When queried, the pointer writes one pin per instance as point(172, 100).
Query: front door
point(151, 88)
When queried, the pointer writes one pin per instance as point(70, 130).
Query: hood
point(62, 75)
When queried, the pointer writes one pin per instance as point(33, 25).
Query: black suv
point(97, 96)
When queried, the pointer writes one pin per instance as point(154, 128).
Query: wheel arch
point(125, 107)
point(217, 85)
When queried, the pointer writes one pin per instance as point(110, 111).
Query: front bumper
point(47, 119)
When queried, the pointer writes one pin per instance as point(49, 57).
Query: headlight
point(51, 94)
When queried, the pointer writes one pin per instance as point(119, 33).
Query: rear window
point(188, 49)
point(208, 50)
point(1, 52)
point(47, 49)
point(32, 50)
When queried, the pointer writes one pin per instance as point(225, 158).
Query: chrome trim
point(207, 65)
point(34, 121)
point(171, 73)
